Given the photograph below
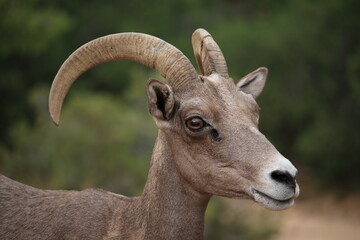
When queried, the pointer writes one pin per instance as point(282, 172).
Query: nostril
point(283, 177)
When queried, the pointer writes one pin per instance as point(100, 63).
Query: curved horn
point(153, 52)
point(208, 54)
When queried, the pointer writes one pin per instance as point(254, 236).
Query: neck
point(174, 210)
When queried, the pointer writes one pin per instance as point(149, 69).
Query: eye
point(195, 124)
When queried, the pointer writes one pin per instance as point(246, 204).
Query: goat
point(208, 144)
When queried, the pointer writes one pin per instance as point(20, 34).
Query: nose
point(284, 177)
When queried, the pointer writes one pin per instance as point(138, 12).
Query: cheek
point(189, 160)
point(194, 170)
point(227, 182)
point(248, 170)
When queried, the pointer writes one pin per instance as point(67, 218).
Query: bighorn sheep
point(208, 144)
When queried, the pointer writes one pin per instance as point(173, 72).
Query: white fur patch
point(255, 130)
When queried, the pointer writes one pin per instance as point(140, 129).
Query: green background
point(310, 105)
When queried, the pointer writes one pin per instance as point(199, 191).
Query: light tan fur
point(227, 156)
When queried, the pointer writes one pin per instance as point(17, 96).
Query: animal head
point(210, 123)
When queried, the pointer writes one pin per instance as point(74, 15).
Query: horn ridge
point(208, 54)
point(148, 50)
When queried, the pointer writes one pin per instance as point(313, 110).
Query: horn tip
point(201, 32)
point(56, 121)
point(263, 69)
point(55, 117)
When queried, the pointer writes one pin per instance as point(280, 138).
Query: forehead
point(220, 96)
point(225, 92)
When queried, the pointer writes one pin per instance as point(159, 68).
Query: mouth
point(270, 202)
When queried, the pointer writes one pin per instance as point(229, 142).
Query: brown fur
point(228, 157)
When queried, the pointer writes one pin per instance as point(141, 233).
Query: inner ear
point(254, 82)
point(161, 100)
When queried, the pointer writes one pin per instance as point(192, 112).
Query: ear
point(254, 82)
point(161, 100)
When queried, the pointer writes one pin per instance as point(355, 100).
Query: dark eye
point(195, 123)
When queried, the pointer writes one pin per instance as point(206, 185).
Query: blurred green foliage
point(94, 146)
point(310, 104)
point(223, 221)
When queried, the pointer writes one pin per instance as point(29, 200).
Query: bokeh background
point(310, 105)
